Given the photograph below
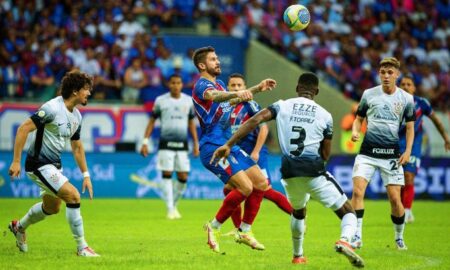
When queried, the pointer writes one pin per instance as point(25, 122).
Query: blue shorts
point(237, 161)
point(263, 161)
point(413, 165)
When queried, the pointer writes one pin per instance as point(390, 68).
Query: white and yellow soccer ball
point(296, 17)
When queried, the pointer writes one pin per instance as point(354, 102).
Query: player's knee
point(246, 189)
point(345, 209)
point(51, 209)
point(299, 213)
point(167, 174)
point(73, 197)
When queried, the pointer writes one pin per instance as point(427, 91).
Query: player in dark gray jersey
point(57, 122)
point(385, 107)
point(176, 113)
point(305, 130)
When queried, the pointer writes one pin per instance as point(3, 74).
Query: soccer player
point(422, 107)
point(56, 122)
point(385, 107)
point(305, 130)
point(176, 113)
point(253, 144)
point(213, 106)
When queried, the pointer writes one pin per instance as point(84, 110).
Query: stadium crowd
point(120, 44)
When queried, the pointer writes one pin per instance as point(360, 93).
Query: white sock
point(298, 232)
point(168, 190)
point(34, 215)
point(348, 226)
point(179, 189)
point(399, 229)
point(245, 227)
point(215, 224)
point(407, 212)
point(75, 220)
point(359, 224)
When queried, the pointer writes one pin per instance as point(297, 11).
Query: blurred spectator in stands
point(334, 67)
point(134, 81)
point(12, 78)
point(90, 66)
point(108, 83)
point(208, 10)
point(75, 52)
point(154, 85)
point(60, 63)
point(165, 62)
point(42, 81)
point(130, 27)
point(184, 12)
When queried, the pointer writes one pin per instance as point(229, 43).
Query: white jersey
point(174, 117)
point(384, 114)
point(56, 125)
point(302, 125)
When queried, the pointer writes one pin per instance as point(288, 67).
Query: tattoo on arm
point(220, 96)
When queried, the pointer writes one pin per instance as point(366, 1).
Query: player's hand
point(355, 136)
point(244, 95)
point(267, 85)
point(447, 146)
point(196, 150)
point(404, 158)
point(144, 150)
point(87, 184)
point(255, 156)
point(14, 170)
point(221, 153)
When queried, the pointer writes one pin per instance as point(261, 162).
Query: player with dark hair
point(253, 144)
point(56, 122)
point(305, 130)
point(422, 108)
point(176, 113)
point(213, 106)
point(385, 106)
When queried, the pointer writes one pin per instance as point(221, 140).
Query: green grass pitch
point(134, 234)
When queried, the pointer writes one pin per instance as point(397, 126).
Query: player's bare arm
point(224, 151)
point(147, 133)
point(221, 96)
point(356, 128)
point(260, 140)
point(438, 124)
point(264, 85)
point(404, 158)
point(193, 131)
point(325, 149)
point(80, 158)
point(21, 137)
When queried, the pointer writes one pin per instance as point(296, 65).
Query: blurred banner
point(130, 175)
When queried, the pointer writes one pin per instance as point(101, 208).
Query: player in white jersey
point(385, 107)
point(57, 122)
point(305, 130)
point(176, 112)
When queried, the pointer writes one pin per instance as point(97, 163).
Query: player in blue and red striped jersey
point(253, 144)
point(422, 108)
point(213, 106)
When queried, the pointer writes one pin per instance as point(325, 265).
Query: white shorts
point(323, 189)
point(391, 172)
point(170, 160)
point(49, 178)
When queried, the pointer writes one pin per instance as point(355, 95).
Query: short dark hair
point(200, 55)
point(236, 75)
point(74, 81)
point(174, 76)
point(390, 62)
point(308, 82)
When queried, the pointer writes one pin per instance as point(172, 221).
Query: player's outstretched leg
point(251, 208)
point(348, 228)
point(75, 221)
point(298, 233)
point(279, 199)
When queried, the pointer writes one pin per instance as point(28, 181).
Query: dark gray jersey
point(55, 127)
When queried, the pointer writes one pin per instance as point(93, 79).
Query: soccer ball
point(296, 17)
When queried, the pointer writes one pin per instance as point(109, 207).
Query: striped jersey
point(56, 125)
point(174, 115)
point(213, 116)
point(239, 115)
point(302, 125)
point(422, 108)
point(384, 114)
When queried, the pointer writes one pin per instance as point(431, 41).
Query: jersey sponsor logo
point(175, 144)
point(383, 151)
point(385, 114)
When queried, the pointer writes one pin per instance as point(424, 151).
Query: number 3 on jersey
point(299, 142)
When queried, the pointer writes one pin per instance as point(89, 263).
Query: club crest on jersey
point(398, 108)
point(226, 107)
point(54, 178)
